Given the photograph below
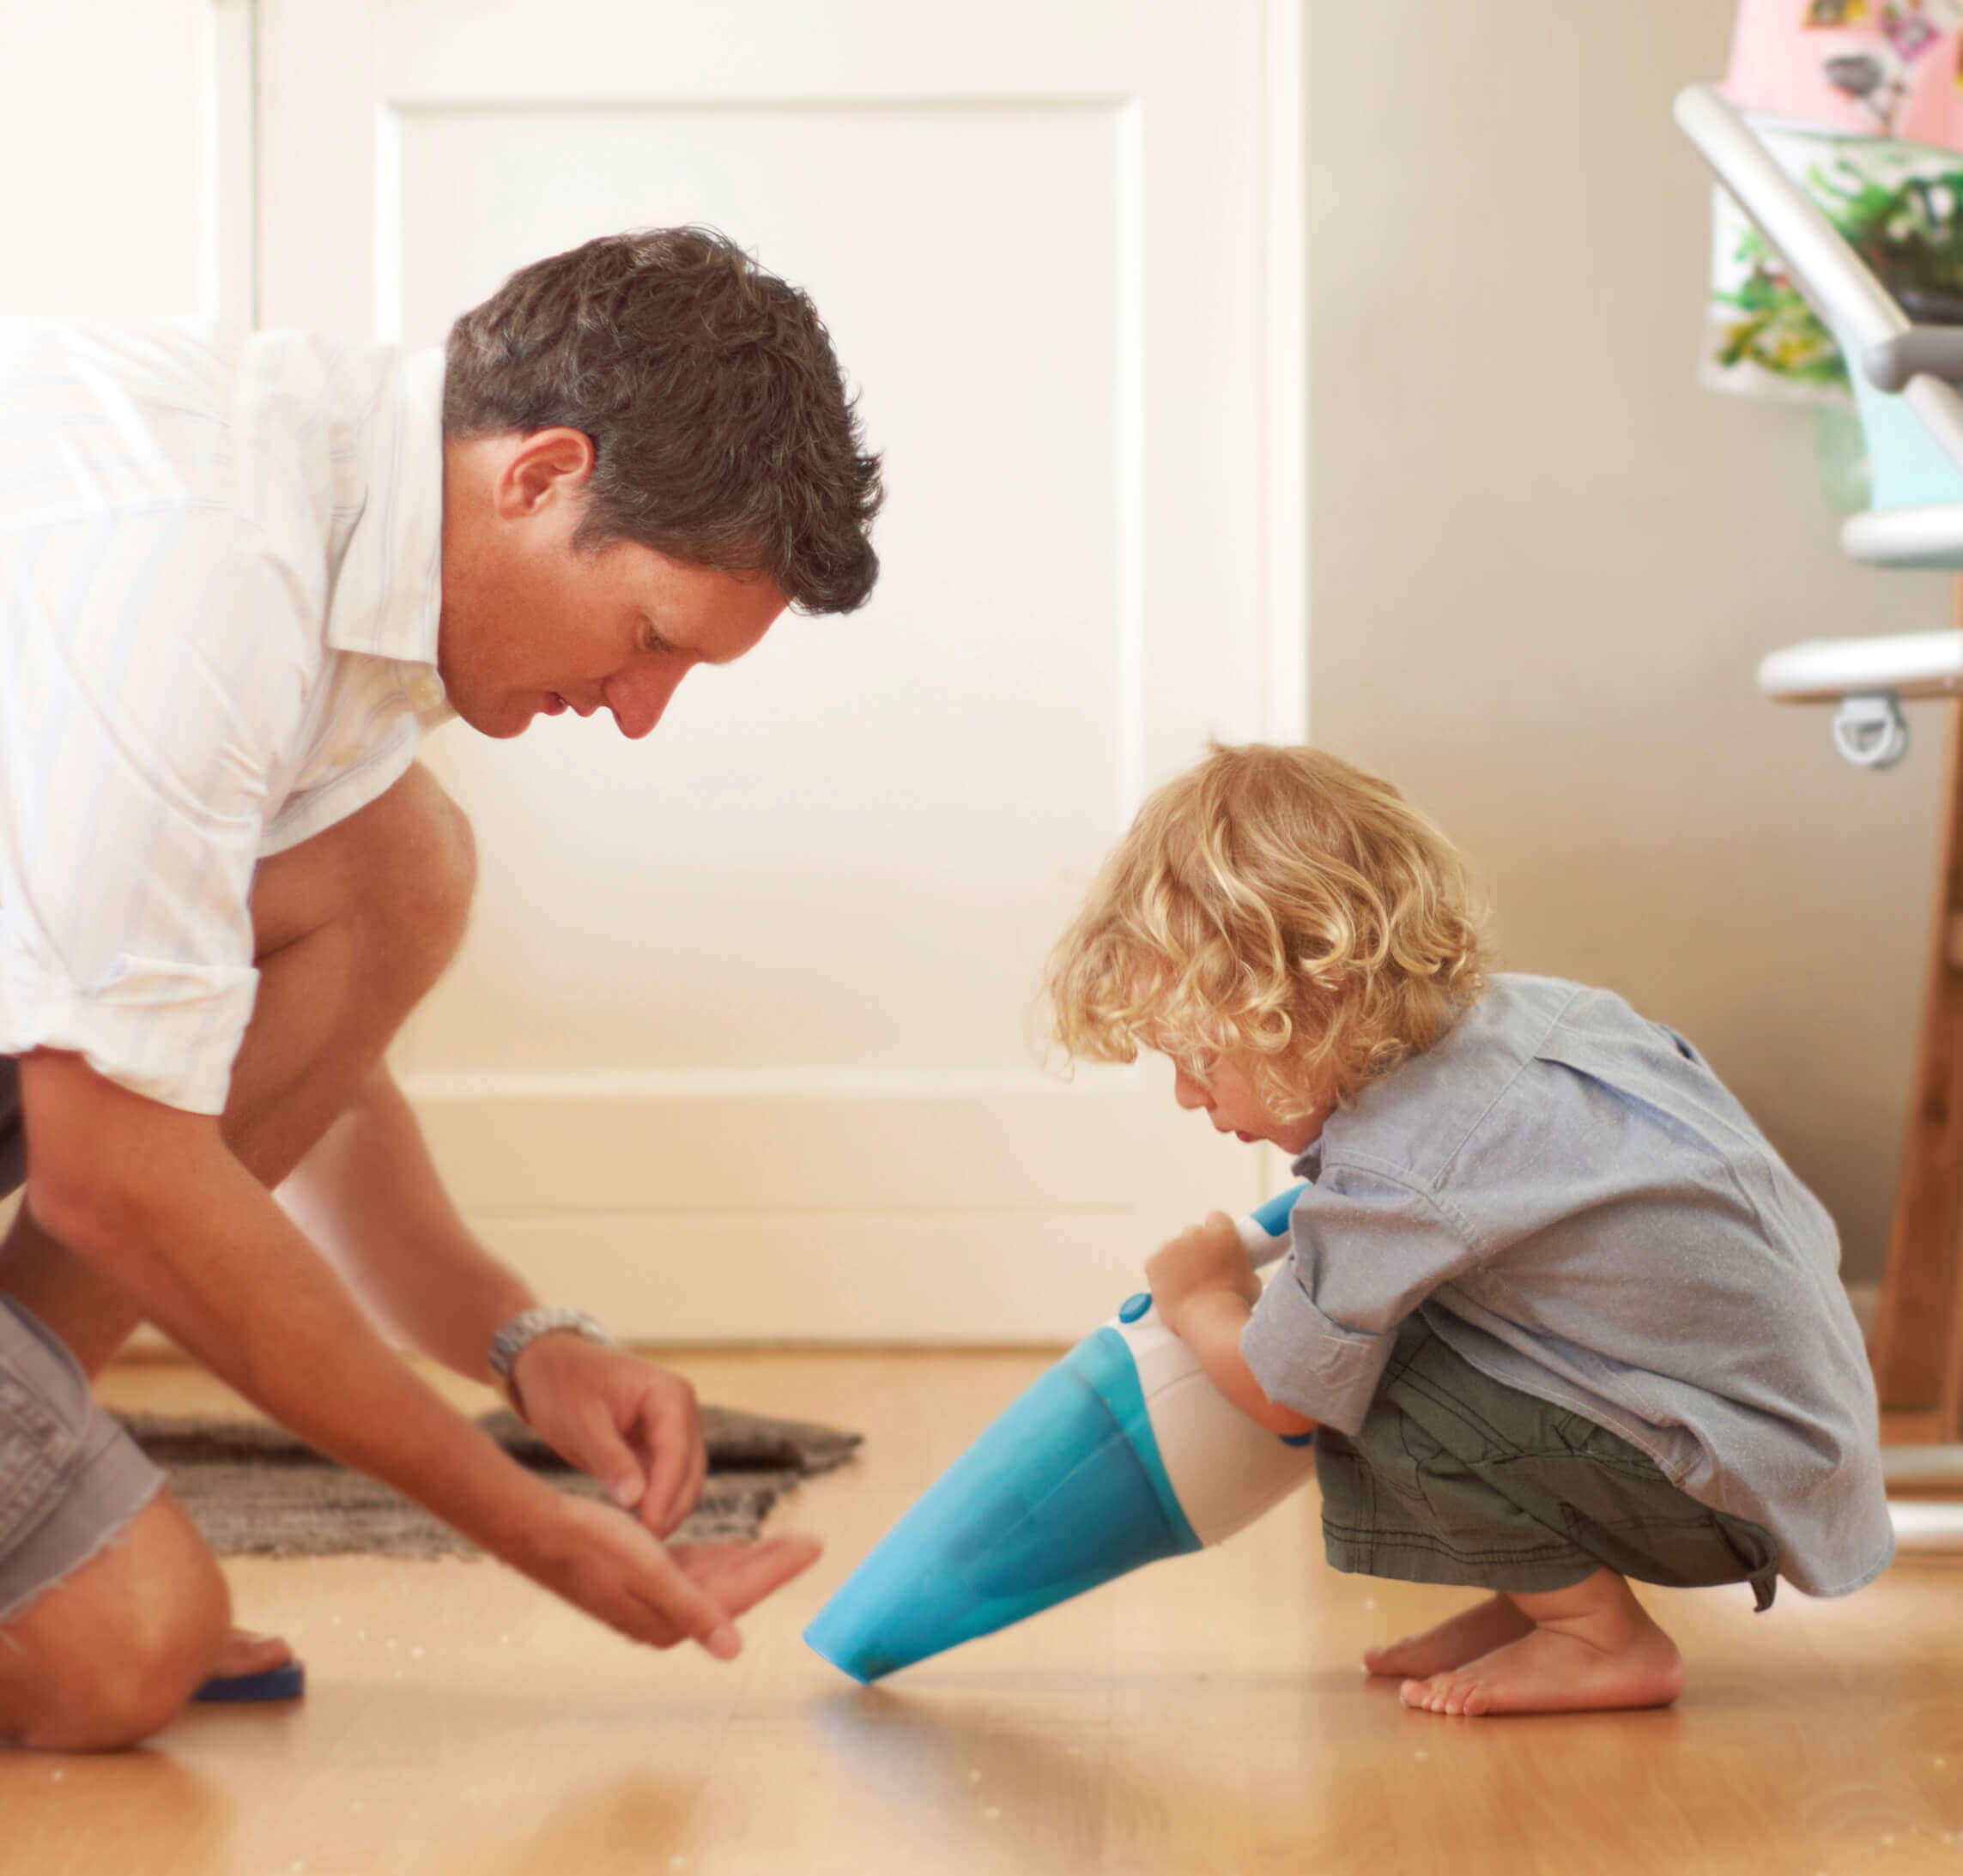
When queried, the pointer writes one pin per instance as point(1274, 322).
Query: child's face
point(1234, 1107)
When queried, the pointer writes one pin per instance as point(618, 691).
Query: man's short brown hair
point(723, 433)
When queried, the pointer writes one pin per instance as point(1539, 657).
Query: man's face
point(532, 626)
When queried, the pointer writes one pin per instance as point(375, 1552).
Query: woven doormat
point(254, 1489)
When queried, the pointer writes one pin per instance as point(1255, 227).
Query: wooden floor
point(1204, 1715)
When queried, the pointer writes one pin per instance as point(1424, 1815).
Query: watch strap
point(514, 1337)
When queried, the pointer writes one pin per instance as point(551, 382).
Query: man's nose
point(639, 695)
point(1187, 1091)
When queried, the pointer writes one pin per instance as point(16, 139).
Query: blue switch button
point(1133, 1307)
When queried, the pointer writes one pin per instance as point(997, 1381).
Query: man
point(240, 577)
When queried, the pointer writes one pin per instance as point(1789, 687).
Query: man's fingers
point(610, 1459)
point(685, 1609)
point(670, 1439)
point(697, 1473)
point(739, 1574)
point(707, 1585)
point(611, 1567)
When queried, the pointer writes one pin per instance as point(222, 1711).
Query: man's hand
point(607, 1564)
point(632, 1426)
point(1206, 1256)
point(172, 1217)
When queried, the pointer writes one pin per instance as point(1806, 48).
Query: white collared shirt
point(220, 564)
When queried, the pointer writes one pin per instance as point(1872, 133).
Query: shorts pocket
point(44, 1404)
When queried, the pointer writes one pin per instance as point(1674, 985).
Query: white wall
point(102, 148)
point(1544, 563)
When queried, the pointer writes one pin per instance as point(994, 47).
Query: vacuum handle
point(1264, 1232)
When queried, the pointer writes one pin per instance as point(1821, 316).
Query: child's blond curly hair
point(1276, 903)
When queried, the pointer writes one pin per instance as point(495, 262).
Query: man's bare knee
point(396, 877)
point(111, 1654)
point(423, 858)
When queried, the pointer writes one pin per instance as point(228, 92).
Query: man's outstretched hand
point(636, 1429)
point(632, 1426)
point(611, 1567)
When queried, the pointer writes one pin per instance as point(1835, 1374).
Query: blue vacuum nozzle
point(1064, 1491)
point(1121, 1454)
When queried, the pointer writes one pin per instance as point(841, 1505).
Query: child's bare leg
point(1590, 1647)
point(1458, 1639)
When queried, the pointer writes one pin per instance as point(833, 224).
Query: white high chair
point(1904, 378)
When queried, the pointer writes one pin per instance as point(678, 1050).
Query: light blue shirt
point(1577, 1205)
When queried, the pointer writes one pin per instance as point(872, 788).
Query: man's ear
point(542, 466)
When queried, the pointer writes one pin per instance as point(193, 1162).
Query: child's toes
point(1465, 1697)
point(1442, 1693)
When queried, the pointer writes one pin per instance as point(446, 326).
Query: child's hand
point(1203, 1287)
point(1206, 1256)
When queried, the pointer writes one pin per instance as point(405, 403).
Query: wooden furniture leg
point(1917, 1345)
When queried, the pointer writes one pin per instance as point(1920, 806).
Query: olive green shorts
point(1457, 1478)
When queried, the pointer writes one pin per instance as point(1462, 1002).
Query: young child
point(1560, 1314)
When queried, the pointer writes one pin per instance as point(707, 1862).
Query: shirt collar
point(388, 595)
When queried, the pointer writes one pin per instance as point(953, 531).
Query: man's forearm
point(161, 1205)
point(236, 1284)
point(368, 1195)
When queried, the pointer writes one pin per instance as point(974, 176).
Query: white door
point(742, 1043)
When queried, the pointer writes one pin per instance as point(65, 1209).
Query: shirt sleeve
point(148, 670)
point(1367, 1248)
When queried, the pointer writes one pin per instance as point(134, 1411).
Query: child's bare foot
point(1590, 1648)
point(1454, 1641)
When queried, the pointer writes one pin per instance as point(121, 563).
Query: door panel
point(755, 997)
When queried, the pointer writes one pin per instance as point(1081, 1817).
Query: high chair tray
point(1910, 664)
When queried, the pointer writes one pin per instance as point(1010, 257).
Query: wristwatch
point(522, 1331)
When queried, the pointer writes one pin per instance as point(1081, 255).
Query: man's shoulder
point(189, 416)
point(81, 366)
point(191, 369)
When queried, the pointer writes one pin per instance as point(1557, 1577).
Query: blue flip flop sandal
point(285, 1682)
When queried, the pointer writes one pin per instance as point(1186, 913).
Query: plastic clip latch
point(1870, 731)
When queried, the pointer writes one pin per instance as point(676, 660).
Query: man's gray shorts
point(1454, 1477)
point(70, 1477)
